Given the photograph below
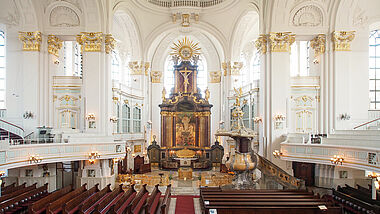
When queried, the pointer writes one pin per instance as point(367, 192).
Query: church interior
point(190, 106)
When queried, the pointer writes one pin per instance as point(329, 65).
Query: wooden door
point(304, 171)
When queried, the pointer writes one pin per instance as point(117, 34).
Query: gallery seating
point(264, 201)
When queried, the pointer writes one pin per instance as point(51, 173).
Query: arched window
point(201, 75)
point(126, 118)
point(374, 69)
point(2, 69)
point(72, 59)
point(255, 67)
point(115, 66)
point(136, 120)
point(300, 58)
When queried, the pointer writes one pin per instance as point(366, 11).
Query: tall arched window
point(2, 69)
point(374, 69)
point(72, 59)
point(115, 66)
point(201, 75)
point(126, 118)
point(255, 67)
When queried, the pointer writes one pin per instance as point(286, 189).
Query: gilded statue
point(238, 95)
point(163, 95)
point(207, 94)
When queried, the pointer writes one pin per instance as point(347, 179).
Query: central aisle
point(184, 204)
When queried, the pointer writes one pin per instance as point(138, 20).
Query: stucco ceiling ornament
point(90, 41)
point(156, 76)
point(342, 40)
point(62, 16)
point(309, 16)
point(281, 42)
point(31, 40)
point(54, 45)
point(261, 44)
point(215, 76)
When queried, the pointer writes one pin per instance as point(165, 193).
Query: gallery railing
point(185, 3)
point(367, 123)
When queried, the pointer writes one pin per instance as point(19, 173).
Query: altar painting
point(185, 129)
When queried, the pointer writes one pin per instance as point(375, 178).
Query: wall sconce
point(92, 156)
point(344, 116)
point(28, 115)
point(374, 175)
point(337, 159)
point(90, 116)
point(129, 149)
point(115, 160)
point(56, 61)
point(257, 119)
point(277, 153)
point(2, 173)
point(114, 119)
point(279, 117)
point(35, 159)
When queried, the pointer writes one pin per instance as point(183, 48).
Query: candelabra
point(35, 159)
point(257, 119)
point(344, 116)
point(90, 116)
point(28, 115)
point(279, 117)
point(114, 119)
point(337, 159)
point(277, 153)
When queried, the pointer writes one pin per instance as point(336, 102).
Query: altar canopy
point(185, 115)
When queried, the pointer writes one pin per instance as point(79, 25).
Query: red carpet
point(184, 204)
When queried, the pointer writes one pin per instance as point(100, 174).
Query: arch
point(56, 10)
point(307, 14)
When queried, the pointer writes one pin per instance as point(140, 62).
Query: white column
point(373, 188)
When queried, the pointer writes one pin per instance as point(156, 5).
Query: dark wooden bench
point(137, 203)
point(23, 198)
point(5, 190)
point(89, 205)
point(153, 201)
point(121, 206)
point(18, 192)
point(73, 205)
point(111, 199)
point(57, 205)
point(165, 202)
point(41, 205)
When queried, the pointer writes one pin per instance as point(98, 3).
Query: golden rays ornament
point(185, 49)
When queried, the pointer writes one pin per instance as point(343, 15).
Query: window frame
point(374, 104)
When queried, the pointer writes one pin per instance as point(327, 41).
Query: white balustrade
point(9, 127)
point(185, 3)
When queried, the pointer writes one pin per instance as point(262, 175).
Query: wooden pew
point(4, 190)
point(14, 189)
point(136, 205)
point(41, 205)
point(353, 204)
point(34, 193)
point(165, 202)
point(359, 195)
point(151, 204)
point(57, 205)
point(125, 200)
point(89, 205)
point(73, 205)
point(111, 199)
point(18, 192)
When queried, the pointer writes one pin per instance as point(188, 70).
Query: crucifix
point(185, 73)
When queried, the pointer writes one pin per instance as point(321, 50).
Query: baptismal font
point(244, 161)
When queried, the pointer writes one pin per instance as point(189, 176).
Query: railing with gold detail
point(185, 3)
point(279, 175)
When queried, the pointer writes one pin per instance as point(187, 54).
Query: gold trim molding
point(281, 42)
point(139, 68)
point(90, 41)
point(232, 69)
point(342, 40)
point(215, 76)
point(31, 40)
point(261, 44)
point(54, 45)
point(156, 76)
point(318, 44)
point(109, 43)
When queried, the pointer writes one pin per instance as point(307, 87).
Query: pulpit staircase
point(275, 173)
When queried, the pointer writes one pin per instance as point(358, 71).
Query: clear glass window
point(374, 69)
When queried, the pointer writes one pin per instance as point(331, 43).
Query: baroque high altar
point(185, 117)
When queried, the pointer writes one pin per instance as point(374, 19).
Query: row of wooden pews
point(356, 200)
point(264, 201)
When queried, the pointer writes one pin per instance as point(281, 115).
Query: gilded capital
point(281, 42)
point(342, 40)
point(90, 41)
point(54, 45)
point(215, 76)
point(156, 76)
point(31, 40)
point(318, 44)
point(232, 68)
point(139, 68)
point(109, 43)
point(261, 44)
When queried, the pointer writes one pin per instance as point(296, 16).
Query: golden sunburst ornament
point(185, 49)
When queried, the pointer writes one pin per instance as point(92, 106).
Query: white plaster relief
point(309, 16)
point(62, 16)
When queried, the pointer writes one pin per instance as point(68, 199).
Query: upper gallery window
point(2, 69)
point(374, 69)
point(201, 76)
point(115, 66)
point(300, 58)
point(73, 63)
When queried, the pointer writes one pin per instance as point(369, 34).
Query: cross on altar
point(185, 73)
